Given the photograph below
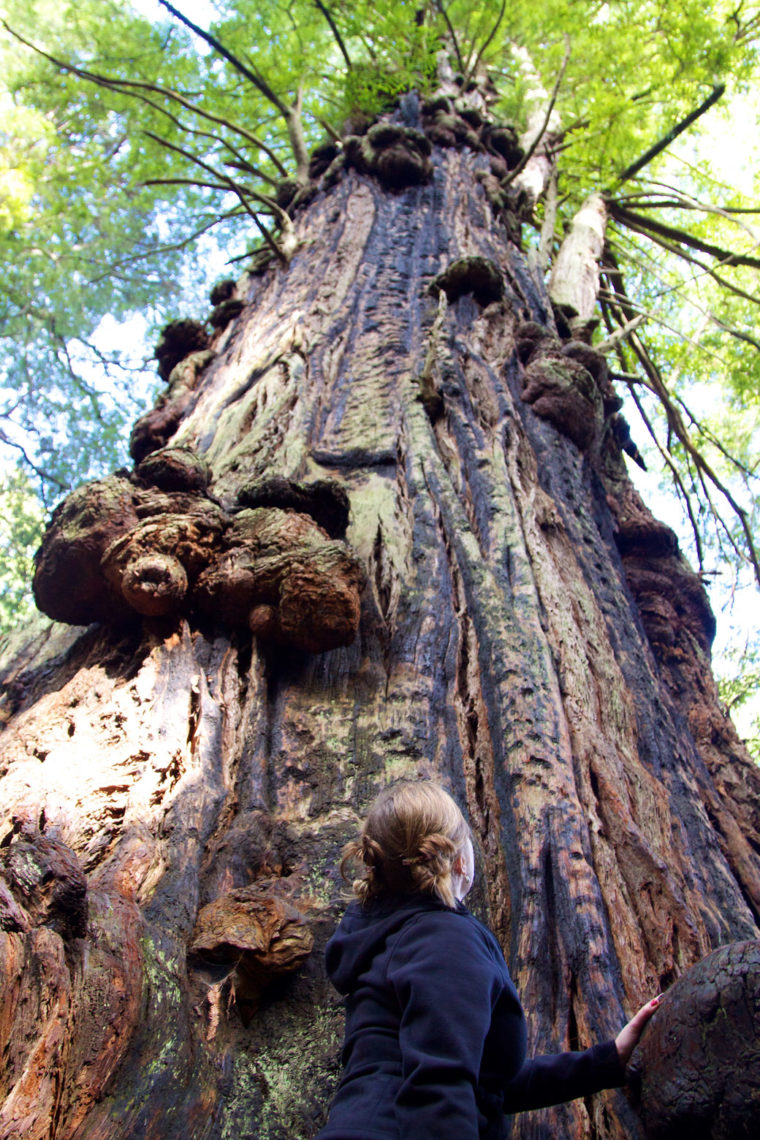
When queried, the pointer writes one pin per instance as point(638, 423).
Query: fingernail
point(657, 1000)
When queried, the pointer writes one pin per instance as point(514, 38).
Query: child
point(435, 1034)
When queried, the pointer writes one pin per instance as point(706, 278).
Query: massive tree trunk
point(528, 634)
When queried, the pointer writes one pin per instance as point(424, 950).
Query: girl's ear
point(457, 867)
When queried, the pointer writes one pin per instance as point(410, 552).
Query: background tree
point(179, 790)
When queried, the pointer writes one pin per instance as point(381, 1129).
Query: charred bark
point(695, 1072)
point(525, 634)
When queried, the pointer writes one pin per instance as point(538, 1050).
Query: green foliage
point(81, 236)
point(21, 523)
point(739, 688)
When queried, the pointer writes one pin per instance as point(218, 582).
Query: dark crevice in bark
point(476, 738)
point(719, 829)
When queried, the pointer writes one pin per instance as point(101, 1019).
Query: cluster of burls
point(567, 384)
point(154, 543)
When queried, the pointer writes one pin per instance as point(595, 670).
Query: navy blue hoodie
point(435, 1034)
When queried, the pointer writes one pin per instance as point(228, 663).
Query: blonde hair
point(408, 844)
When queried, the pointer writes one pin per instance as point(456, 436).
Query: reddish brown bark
point(525, 633)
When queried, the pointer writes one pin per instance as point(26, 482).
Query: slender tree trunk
point(528, 634)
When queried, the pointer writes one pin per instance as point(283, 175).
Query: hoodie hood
point(363, 932)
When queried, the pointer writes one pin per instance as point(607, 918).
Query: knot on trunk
point(324, 499)
point(226, 311)
point(174, 469)
point(532, 339)
point(672, 602)
point(322, 158)
point(256, 934)
point(562, 391)
point(113, 548)
point(398, 156)
point(152, 430)
point(44, 885)
point(674, 607)
point(645, 537)
point(447, 128)
point(283, 576)
point(154, 584)
point(178, 340)
point(695, 1072)
point(501, 139)
point(182, 353)
point(223, 291)
point(476, 275)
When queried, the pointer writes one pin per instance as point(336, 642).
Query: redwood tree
point(379, 526)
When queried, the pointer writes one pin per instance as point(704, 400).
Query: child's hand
point(628, 1037)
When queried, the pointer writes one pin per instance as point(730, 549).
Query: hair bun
point(408, 843)
point(371, 851)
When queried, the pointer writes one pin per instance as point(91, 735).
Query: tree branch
point(40, 472)
point(655, 229)
point(707, 269)
point(549, 223)
point(679, 429)
point(620, 334)
point(539, 137)
point(334, 29)
point(131, 86)
point(672, 134)
point(291, 115)
point(253, 77)
point(473, 69)
point(455, 44)
point(238, 191)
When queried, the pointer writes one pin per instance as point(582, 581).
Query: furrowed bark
point(528, 634)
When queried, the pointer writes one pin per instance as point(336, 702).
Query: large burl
point(154, 543)
point(696, 1072)
point(257, 934)
point(566, 384)
point(129, 544)
point(283, 576)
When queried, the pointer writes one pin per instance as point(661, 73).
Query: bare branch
point(455, 44)
point(707, 269)
point(655, 230)
point(253, 77)
point(549, 223)
point(334, 29)
point(679, 429)
point(619, 334)
point(131, 86)
point(539, 137)
point(173, 247)
point(672, 134)
point(40, 472)
point(237, 190)
point(472, 70)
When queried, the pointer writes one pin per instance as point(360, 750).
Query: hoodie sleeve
point(559, 1077)
point(446, 983)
